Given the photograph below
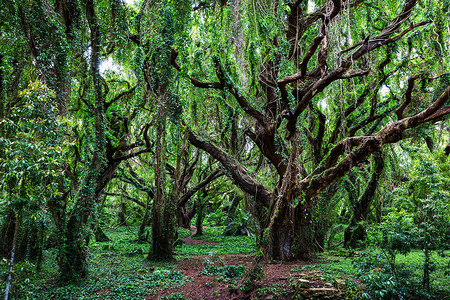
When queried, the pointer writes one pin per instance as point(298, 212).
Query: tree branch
point(194, 81)
point(181, 202)
point(138, 202)
point(234, 171)
point(227, 82)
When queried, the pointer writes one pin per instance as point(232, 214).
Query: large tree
point(320, 89)
point(63, 44)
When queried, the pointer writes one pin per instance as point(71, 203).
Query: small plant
point(386, 280)
point(174, 296)
point(224, 273)
point(276, 290)
point(217, 218)
point(239, 224)
point(256, 274)
point(161, 275)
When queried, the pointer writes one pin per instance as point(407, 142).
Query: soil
point(277, 282)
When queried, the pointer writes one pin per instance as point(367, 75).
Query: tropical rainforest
point(224, 149)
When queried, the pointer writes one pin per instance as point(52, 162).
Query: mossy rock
point(340, 284)
point(318, 293)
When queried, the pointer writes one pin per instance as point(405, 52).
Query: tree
point(100, 111)
point(31, 154)
point(325, 102)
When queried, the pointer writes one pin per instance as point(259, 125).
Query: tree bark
point(184, 217)
point(72, 256)
point(162, 233)
point(11, 264)
point(99, 234)
point(144, 222)
point(356, 232)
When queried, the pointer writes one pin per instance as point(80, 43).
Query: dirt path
point(190, 241)
point(276, 283)
point(207, 287)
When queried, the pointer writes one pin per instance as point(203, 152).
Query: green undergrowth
point(371, 267)
point(409, 270)
point(174, 296)
point(225, 244)
point(121, 286)
point(224, 273)
point(118, 269)
point(439, 277)
point(330, 266)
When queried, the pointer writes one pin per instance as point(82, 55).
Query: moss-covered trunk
point(291, 235)
point(163, 213)
point(356, 232)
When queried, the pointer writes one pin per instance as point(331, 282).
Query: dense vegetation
point(316, 127)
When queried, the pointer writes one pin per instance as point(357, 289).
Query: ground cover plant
point(119, 270)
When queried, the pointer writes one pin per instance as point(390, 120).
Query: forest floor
point(206, 267)
point(275, 284)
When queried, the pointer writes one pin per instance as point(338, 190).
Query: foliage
point(224, 273)
point(255, 274)
point(423, 224)
point(217, 218)
point(174, 296)
point(276, 290)
point(117, 109)
point(239, 225)
point(226, 244)
point(31, 150)
point(117, 272)
point(385, 280)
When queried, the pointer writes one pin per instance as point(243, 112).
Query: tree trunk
point(356, 232)
point(41, 245)
point(200, 213)
point(426, 270)
point(123, 214)
point(8, 281)
point(99, 234)
point(7, 234)
point(141, 235)
point(234, 204)
point(72, 256)
point(199, 223)
point(291, 236)
point(183, 218)
point(28, 245)
point(163, 214)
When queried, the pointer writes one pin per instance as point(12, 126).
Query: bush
point(239, 225)
point(217, 218)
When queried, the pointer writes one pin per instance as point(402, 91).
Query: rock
point(317, 293)
point(324, 293)
point(328, 285)
point(340, 284)
point(298, 296)
point(302, 284)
